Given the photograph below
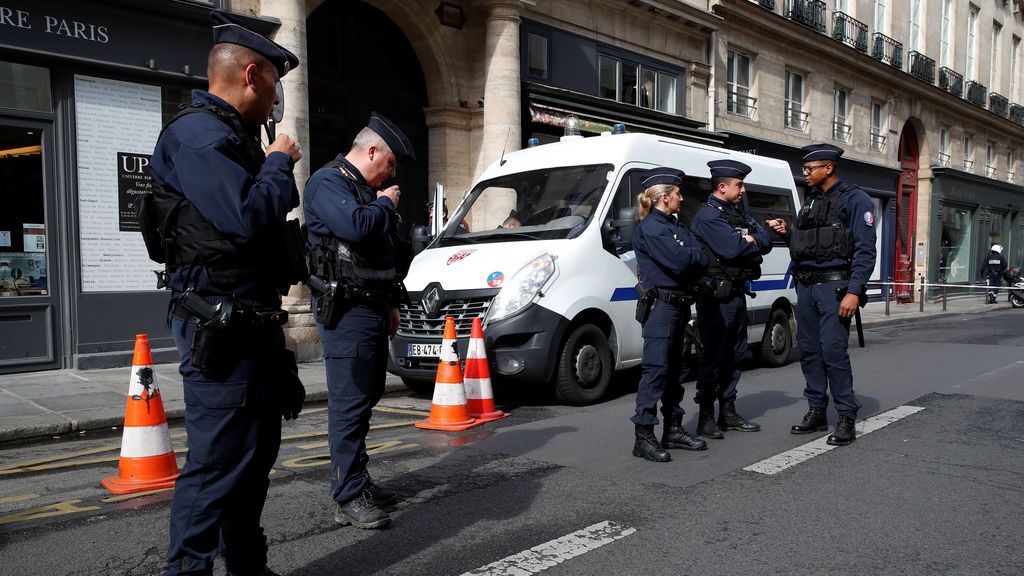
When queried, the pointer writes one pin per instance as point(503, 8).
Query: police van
point(548, 264)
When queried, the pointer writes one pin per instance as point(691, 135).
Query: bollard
point(943, 281)
point(888, 294)
point(921, 308)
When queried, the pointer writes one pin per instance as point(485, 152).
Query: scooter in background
point(1013, 278)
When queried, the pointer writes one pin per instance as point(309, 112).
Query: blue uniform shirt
point(858, 213)
point(331, 205)
point(200, 157)
point(711, 225)
point(667, 254)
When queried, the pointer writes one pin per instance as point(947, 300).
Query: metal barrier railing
point(889, 284)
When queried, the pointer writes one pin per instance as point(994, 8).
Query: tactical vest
point(820, 234)
point(743, 268)
point(178, 235)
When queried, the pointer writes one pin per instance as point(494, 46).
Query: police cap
point(728, 169)
point(228, 31)
point(662, 175)
point(821, 152)
point(392, 136)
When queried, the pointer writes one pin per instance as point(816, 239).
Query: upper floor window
point(877, 127)
point(840, 114)
point(1010, 165)
point(913, 42)
point(635, 84)
point(990, 160)
point(972, 43)
point(537, 55)
point(994, 68)
point(968, 153)
point(945, 42)
point(795, 116)
point(880, 20)
point(843, 6)
point(738, 85)
point(943, 147)
point(1012, 93)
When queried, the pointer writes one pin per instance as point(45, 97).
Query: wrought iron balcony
point(887, 50)
point(740, 102)
point(877, 142)
point(943, 159)
point(769, 4)
point(1017, 114)
point(922, 66)
point(794, 116)
point(951, 81)
point(849, 31)
point(810, 13)
point(840, 129)
point(976, 92)
point(999, 104)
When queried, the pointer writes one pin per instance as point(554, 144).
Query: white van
point(549, 266)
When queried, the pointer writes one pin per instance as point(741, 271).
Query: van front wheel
point(584, 367)
point(778, 339)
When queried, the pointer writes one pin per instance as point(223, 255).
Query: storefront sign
point(26, 20)
point(960, 193)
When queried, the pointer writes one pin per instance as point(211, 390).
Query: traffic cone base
point(448, 410)
point(142, 474)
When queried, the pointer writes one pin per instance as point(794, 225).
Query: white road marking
point(554, 552)
point(790, 458)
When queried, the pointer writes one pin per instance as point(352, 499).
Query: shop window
point(955, 249)
point(23, 264)
point(638, 85)
point(24, 87)
point(537, 55)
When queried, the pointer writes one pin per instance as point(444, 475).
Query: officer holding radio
point(670, 264)
point(216, 219)
point(354, 254)
point(833, 250)
point(735, 244)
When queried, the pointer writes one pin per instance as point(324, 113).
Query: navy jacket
point(667, 254)
point(711, 226)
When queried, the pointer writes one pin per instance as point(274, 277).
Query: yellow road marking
point(18, 498)
point(389, 410)
point(124, 497)
point(325, 443)
point(323, 459)
point(48, 511)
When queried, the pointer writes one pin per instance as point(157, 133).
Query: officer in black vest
point(221, 203)
point(735, 244)
point(833, 250)
point(669, 265)
point(992, 272)
point(352, 224)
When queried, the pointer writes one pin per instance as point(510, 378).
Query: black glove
point(293, 393)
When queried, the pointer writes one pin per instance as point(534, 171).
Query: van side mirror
point(420, 238)
point(620, 230)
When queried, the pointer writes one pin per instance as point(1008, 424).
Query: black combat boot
point(845, 432)
point(675, 436)
point(728, 419)
point(706, 425)
point(376, 494)
point(361, 512)
point(647, 446)
point(814, 421)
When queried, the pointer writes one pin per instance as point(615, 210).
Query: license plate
point(424, 351)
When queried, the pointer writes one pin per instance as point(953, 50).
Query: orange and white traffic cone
point(479, 394)
point(147, 460)
point(448, 410)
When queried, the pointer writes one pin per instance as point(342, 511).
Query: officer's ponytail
point(647, 199)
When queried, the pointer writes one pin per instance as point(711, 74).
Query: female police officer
point(669, 264)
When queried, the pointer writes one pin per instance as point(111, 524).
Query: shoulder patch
point(869, 218)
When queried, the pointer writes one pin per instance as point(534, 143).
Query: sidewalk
point(40, 404)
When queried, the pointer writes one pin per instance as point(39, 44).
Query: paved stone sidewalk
point(56, 402)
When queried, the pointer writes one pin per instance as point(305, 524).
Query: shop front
point(84, 91)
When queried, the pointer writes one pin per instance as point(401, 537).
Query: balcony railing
point(877, 142)
point(810, 13)
point(943, 159)
point(1010, 176)
point(968, 165)
point(999, 104)
point(769, 4)
point(1017, 114)
point(887, 50)
point(741, 103)
point(795, 118)
point(976, 93)
point(990, 171)
point(849, 31)
point(840, 129)
point(951, 81)
point(922, 66)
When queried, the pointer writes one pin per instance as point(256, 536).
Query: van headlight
point(523, 287)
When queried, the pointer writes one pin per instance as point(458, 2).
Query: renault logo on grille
point(431, 300)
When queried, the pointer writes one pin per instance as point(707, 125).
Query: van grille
point(413, 321)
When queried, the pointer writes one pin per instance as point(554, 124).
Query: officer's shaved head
point(227, 59)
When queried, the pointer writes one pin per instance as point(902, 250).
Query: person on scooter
point(992, 271)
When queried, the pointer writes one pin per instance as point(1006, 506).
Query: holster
point(644, 303)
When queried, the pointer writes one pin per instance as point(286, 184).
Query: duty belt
point(812, 276)
point(675, 297)
point(242, 315)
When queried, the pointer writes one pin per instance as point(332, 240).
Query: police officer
point(230, 200)
point(992, 271)
point(734, 243)
point(669, 266)
point(833, 251)
point(348, 213)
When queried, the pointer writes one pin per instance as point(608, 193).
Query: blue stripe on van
point(786, 281)
point(624, 294)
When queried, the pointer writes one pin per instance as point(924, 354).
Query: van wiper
point(514, 234)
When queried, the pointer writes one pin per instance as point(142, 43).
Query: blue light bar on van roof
point(619, 129)
point(532, 142)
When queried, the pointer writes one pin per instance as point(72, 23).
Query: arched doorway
point(906, 214)
point(360, 61)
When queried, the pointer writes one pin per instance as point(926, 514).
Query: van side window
point(765, 203)
point(695, 194)
point(623, 205)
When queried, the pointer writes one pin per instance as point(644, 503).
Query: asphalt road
point(935, 492)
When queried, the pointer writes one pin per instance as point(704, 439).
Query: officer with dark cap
point(833, 251)
point(352, 225)
point(221, 203)
point(670, 264)
point(735, 244)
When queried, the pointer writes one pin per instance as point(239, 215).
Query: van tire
point(585, 367)
point(777, 342)
point(425, 387)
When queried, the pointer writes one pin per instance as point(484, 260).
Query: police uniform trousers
point(994, 282)
point(823, 337)
point(356, 358)
point(723, 333)
point(233, 422)
point(662, 364)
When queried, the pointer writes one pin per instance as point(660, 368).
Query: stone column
point(502, 98)
point(449, 150)
point(300, 333)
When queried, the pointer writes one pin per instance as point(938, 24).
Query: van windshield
point(547, 204)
